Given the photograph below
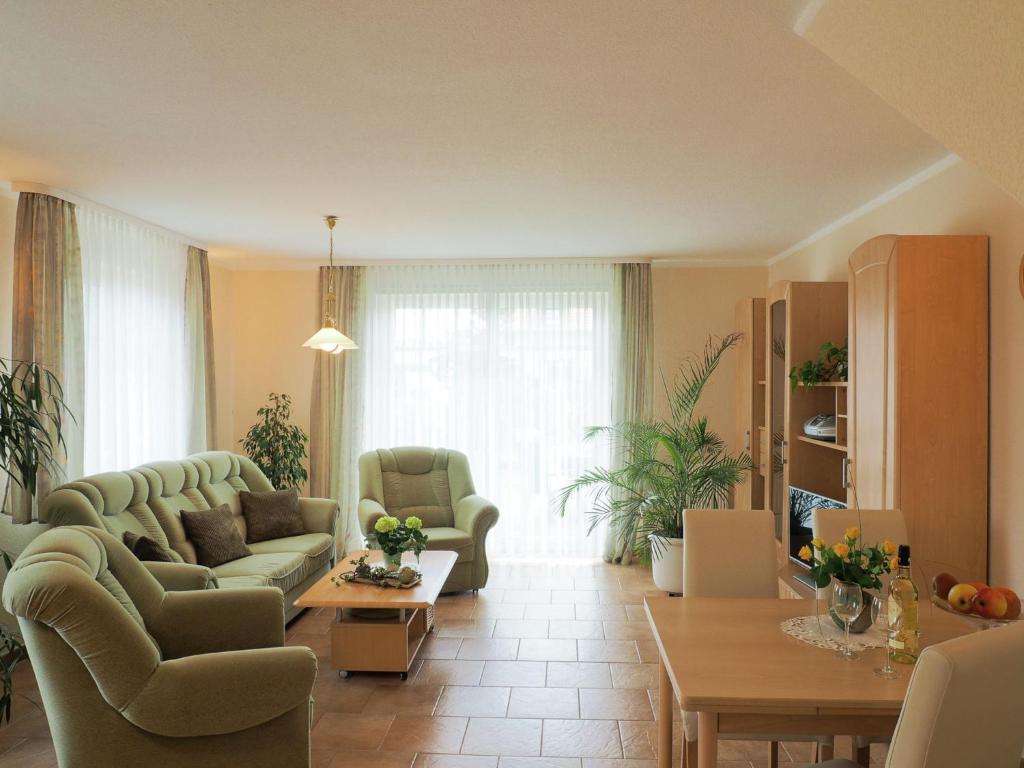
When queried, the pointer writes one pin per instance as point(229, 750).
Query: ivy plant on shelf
point(32, 416)
point(276, 445)
point(832, 364)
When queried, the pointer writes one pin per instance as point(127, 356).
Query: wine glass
point(846, 601)
point(889, 622)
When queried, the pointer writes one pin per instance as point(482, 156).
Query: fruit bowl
point(979, 621)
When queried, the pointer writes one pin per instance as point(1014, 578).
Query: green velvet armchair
point(131, 674)
point(436, 486)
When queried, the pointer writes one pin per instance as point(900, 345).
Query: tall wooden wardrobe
point(919, 378)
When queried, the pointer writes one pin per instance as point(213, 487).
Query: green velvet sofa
point(436, 486)
point(148, 500)
point(134, 675)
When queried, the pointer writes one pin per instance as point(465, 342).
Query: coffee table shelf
point(361, 643)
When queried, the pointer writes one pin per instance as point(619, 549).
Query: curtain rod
point(44, 189)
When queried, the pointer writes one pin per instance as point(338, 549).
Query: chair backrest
point(876, 526)
point(426, 482)
point(964, 703)
point(148, 499)
point(730, 553)
point(82, 599)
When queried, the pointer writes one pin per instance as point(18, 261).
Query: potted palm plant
point(667, 465)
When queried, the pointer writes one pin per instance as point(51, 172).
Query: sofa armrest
point(370, 512)
point(319, 515)
point(218, 693)
point(181, 577)
point(213, 620)
point(475, 515)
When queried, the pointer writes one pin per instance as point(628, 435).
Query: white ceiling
point(448, 129)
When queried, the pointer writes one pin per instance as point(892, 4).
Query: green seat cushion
point(283, 570)
point(239, 582)
point(452, 539)
point(310, 544)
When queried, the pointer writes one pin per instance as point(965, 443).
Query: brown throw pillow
point(214, 535)
point(145, 548)
point(271, 514)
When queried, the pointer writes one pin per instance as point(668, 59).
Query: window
point(136, 403)
point(508, 364)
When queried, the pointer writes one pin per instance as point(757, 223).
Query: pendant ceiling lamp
point(329, 338)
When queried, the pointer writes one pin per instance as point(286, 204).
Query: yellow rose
point(893, 563)
point(853, 533)
point(889, 547)
point(805, 553)
point(841, 549)
point(818, 544)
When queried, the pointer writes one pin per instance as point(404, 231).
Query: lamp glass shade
point(330, 339)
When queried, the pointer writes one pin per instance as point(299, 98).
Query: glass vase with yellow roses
point(852, 562)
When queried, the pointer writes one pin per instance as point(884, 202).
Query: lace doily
point(821, 632)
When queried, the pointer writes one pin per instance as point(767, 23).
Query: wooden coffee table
point(361, 644)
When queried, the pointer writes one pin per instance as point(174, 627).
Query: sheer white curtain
point(136, 363)
point(507, 363)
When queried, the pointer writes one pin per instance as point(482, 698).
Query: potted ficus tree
point(276, 445)
point(32, 417)
point(668, 465)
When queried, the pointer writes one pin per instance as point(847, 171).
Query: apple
point(1012, 603)
point(941, 585)
point(989, 603)
point(978, 585)
point(960, 597)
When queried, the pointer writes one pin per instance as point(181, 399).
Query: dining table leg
point(707, 740)
point(666, 705)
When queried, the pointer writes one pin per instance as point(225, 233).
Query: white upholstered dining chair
point(963, 705)
point(728, 553)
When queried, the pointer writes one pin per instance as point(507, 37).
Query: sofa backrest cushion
point(174, 486)
point(415, 482)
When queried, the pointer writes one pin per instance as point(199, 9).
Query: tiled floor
point(551, 666)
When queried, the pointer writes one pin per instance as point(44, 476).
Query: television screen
point(801, 504)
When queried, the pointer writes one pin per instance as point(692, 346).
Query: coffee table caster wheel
point(404, 675)
point(343, 674)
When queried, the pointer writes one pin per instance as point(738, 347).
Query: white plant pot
point(667, 564)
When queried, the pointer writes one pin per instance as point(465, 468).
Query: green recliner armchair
point(132, 674)
point(436, 486)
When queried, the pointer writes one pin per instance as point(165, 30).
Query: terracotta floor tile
point(620, 596)
point(424, 760)
point(652, 693)
point(574, 596)
point(435, 647)
point(450, 672)
point(602, 612)
point(635, 613)
point(502, 736)
point(608, 704)
point(578, 630)
point(578, 674)
point(560, 703)
point(454, 612)
point(546, 611)
point(339, 730)
point(581, 738)
point(522, 628)
point(608, 650)
point(553, 580)
point(539, 762)
point(465, 628)
point(627, 630)
point(409, 701)
point(319, 644)
point(648, 651)
point(473, 701)
point(509, 673)
point(603, 762)
point(528, 596)
point(377, 759)
point(634, 675)
point(639, 739)
point(335, 696)
point(428, 734)
point(548, 650)
point(499, 611)
point(30, 753)
point(485, 648)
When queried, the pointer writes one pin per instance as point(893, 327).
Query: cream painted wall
point(961, 200)
point(260, 322)
point(690, 303)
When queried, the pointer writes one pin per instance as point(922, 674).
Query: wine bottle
point(905, 642)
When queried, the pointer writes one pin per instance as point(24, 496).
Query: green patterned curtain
point(634, 387)
point(199, 341)
point(49, 320)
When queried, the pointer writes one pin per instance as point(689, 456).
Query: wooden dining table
point(729, 661)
